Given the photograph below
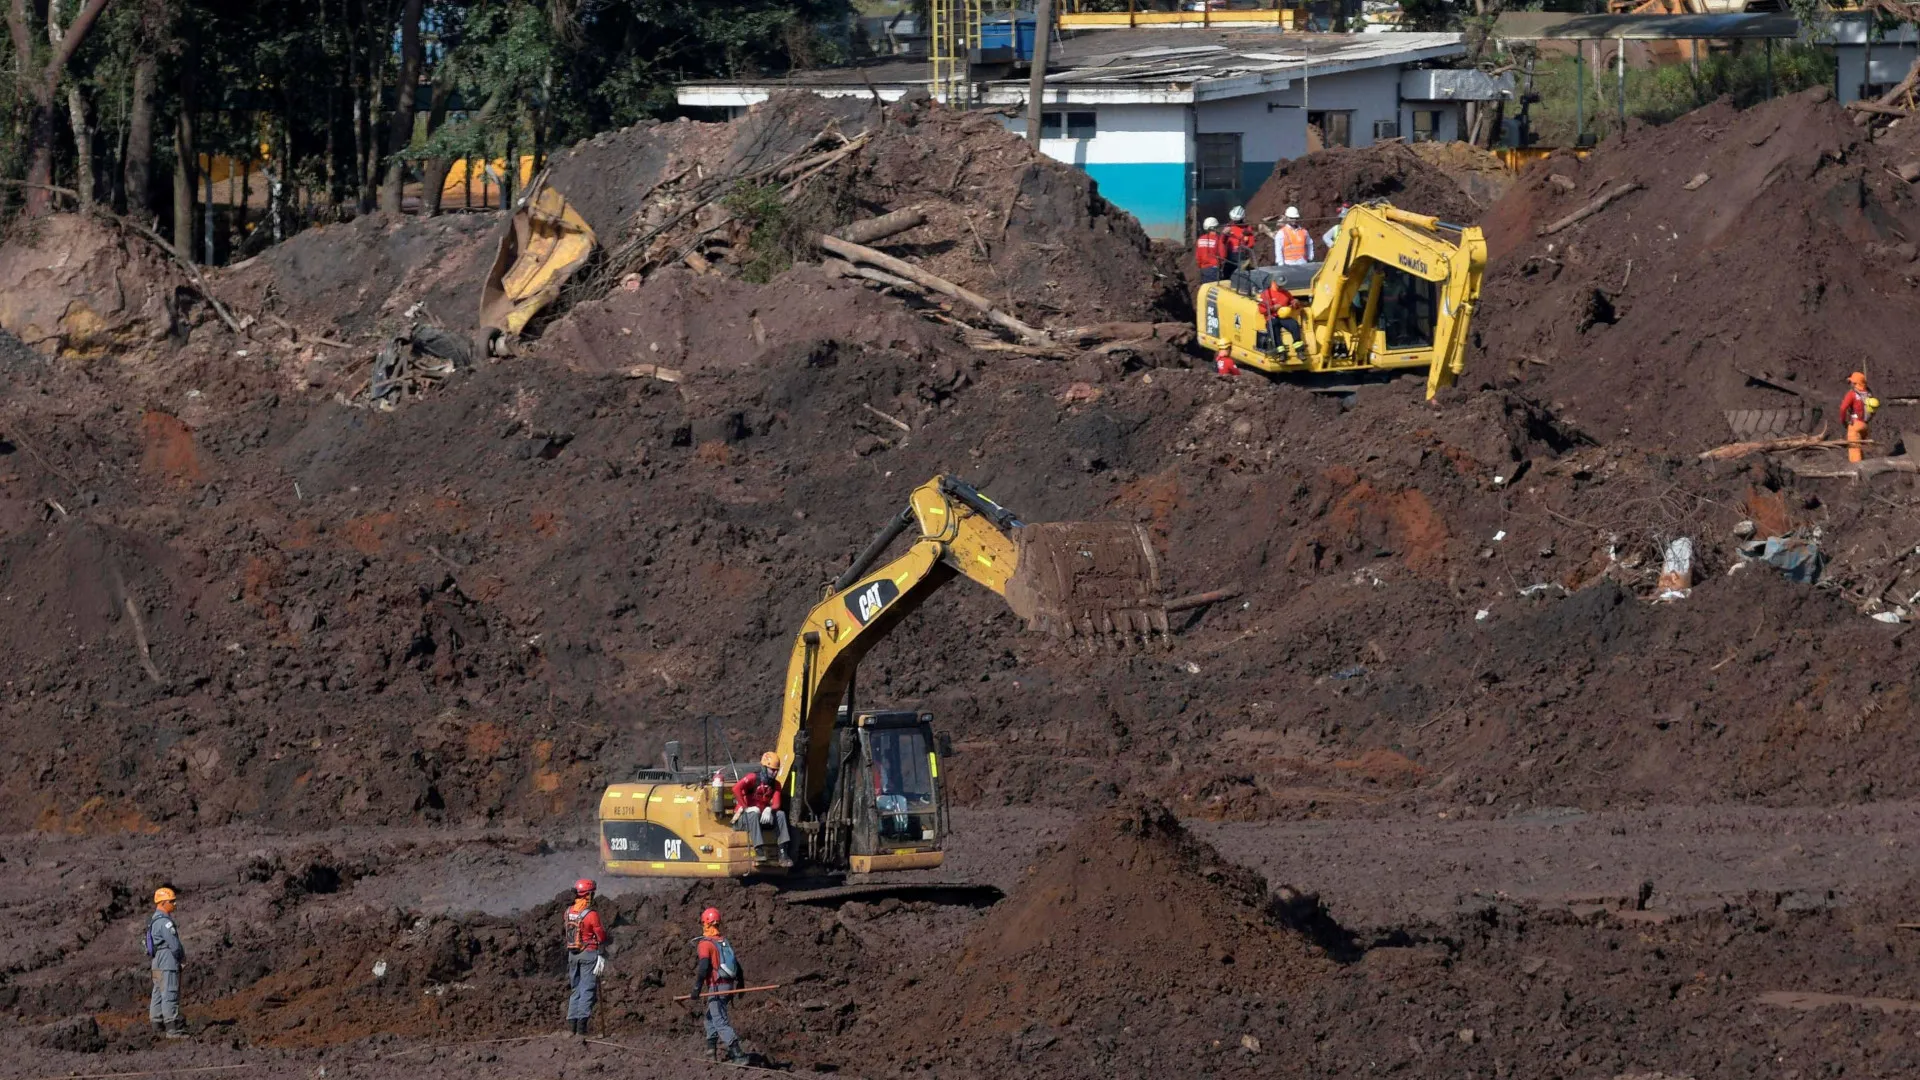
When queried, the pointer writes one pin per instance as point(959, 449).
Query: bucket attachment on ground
point(541, 246)
point(1086, 578)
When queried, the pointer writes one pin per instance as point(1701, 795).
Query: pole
point(726, 993)
point(1769, 69)
point(1579, 92)
point(1037, 77)
point(1620, 65)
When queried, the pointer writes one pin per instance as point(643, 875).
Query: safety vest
point(1207, 250)
point(1292, 244)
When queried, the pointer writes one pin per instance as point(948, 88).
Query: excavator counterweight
point(861, 787)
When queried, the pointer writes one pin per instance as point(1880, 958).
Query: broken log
point(1731, 451)
point(879, 228)
point(843, 268)
point(1861, 470)
point(858, 253)
point(1699, 181)
point(1877, 109)
point(1591, 208)
point(1864, 116)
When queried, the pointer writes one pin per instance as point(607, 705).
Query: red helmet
point(583, 887)
point(710, 917)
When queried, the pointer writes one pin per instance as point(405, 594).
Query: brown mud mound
point(78, 288)
point(1112, 956)
point(1319, 182)
point(1772, 242)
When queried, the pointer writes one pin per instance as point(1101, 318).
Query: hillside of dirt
point(1762, 257)
point(1318, 183)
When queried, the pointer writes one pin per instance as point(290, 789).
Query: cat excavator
point(1396, 291)
point(862, 786)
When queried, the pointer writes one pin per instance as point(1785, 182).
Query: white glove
point(739, 812)
point(766, 815)
point(600, 965)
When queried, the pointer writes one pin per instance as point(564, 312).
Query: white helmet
point(1293, 213)
point(1210, 223)
point(1238, 213)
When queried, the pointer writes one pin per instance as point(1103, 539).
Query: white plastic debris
point(1482, 615)
point(379, 969)
point(1540, 587)
point(1499, 480)
point(1886, 616)
point(1193, 668)
point(1676, 572)
point(1499, 536)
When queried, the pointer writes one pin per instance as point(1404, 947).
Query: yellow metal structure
point(954, 35)
point(862, 787)
point(543, 244)
point(1396, 292)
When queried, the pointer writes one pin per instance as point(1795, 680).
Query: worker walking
point(1292, 245)
point(1209, 250)
point(757, 807)
point(1327, 238)
point(1237, 241)
point(1855, 409)
point(717, 971)
point(166, 954)
point(585, 938)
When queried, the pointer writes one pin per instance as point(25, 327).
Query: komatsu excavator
point(1396, 291)
point(862, 786)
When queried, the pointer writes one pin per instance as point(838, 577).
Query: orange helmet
point(1858, 379)
point(710, 917)
point(770, 759)
point(164, 895)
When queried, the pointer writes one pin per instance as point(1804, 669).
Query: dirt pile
point(78, 288)
point(1770, 243)
point(1319, 182)
point(1133, 947)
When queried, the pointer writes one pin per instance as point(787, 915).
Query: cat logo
point(1418, 266)
point(868, 600)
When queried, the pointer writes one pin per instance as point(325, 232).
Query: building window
point(1426, 125)
point(1336, 128)
point(1219, 161)
point(1077, 125)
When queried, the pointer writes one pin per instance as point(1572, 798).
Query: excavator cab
point(889, 811)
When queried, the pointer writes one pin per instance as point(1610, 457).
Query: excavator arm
point(1066, 577)
point(1375, 240)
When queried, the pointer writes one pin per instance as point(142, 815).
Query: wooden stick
point(879, 228)
point(725, 993)
point(1877, 109)
point(1591, 208)
point(901, 424)
point(1732, 451)
point(858, 253)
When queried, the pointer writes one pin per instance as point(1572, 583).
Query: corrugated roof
point(1544, 25)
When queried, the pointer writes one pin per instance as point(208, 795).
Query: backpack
point(728, 968)
point(152, 949)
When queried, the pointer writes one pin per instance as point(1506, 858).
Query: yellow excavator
point(861, 787)
point(1396, 291)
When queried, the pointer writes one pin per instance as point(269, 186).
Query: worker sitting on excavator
point(757, 805)
point(1276, 304)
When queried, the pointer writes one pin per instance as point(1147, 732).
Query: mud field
point(1445, 790)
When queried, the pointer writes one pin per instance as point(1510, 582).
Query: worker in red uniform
point(1277, 305)
point(1239, 239)
point(1209, 250)
point(585, 939)
point(757, 804)
point(716, 972)
point(1855, 409)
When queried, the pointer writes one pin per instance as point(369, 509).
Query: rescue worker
point(1292, 245)
point(1209, 250)
point(756, 805)
point(1223, 364)
point(166, 955)
point(585, 938)
point(1277, 304)
point(1333, 233)
point(1855, 409)
point(1238, 242)
point(716, 970)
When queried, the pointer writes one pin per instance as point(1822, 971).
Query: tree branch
point(70, 42)
point(22, 41)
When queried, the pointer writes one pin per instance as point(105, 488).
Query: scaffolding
point(955, 34)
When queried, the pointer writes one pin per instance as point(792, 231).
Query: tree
point(41, 71)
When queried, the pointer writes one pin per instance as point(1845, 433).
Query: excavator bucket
point(1085, 579)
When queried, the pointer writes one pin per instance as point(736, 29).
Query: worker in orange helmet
point(757, 808)
point(1855, 409)
point(165, 954)
point(585, 938)
point(716, 972)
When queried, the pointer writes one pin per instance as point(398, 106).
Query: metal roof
point(1544, 25)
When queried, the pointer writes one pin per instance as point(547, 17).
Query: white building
point(1868, 67)
point(1176, 124)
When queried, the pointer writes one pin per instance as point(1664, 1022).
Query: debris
point(858, 254)
point(379, 969)
point(1482, 615)
point(1353, 672)
point(1699, 181)
point(1676, 572)
point(1744, 530)
point(1591, 208)
point(1887, 616)
point(1499, 536)
point(1183, 603)
point(1539, 587)
point(1758, 424)
point(895, 421)
point(541, 247)
point(1908, 171)
point(1564, 183)
point(1732, 451)
point(1798, 557)
point(879, 228)
point(1250, 1044)
point(654, 371)
point(410, 364)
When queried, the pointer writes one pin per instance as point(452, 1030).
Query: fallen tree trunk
point(843, 268)
point(858, 253)
point(1877, 109)
point(1591, 208)
point(1767, 446)
point(879, 228)
point(1863, 117)
point(1860, 470)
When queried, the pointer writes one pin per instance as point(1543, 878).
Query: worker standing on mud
point(1209, 250)
point(716, 972)
point(166, 954)
point(1855, 409)
point(585, 938)
point(1292, 245)
point(756, 805)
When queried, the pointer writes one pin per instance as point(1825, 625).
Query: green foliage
point(1660, 94)
point(782, 231)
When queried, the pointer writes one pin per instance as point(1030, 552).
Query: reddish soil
point(1319, 182)
point(415, 644)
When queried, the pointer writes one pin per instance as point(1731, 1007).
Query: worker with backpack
point(716, 973)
